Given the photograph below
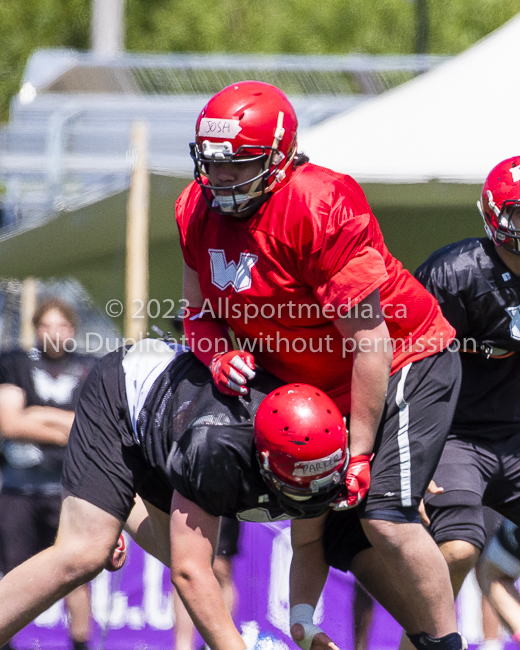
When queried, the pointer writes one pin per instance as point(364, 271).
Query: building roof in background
point(67, 140)
point(451, 124)
point(65, 71)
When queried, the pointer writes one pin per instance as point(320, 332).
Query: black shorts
point(28, 524)
point(474, 472)
point(492, 522)
point(343, 538)
point(229, 536)
point(419, 409)
point(103, 464)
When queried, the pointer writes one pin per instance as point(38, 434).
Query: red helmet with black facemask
point(500, 198)
point(247, 122)
point(302, 447)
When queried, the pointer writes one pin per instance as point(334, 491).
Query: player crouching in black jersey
point(151, 422)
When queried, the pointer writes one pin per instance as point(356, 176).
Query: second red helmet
point(302, 446)
point(500, 197)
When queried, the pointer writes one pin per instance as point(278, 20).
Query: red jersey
point(310, 254)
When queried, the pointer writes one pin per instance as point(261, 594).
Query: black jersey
point(480, 297)
point(46, 382)
point(198, 440)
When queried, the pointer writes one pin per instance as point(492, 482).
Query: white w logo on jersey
point(224, 273)
point(58, 390)
point(514, 325)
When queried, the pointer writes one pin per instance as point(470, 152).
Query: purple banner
point(132, 609)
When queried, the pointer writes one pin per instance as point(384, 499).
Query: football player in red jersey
point(289, 256)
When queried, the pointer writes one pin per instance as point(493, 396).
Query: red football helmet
point(302, 447)
point(500, 197)
point(247, 121)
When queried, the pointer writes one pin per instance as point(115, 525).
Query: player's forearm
point(369, 339)
point(500, 590)
point(206, 337)
point(202, 597)
point(204, 334)
point(309, 571)
point(370, 374)
point(193, 538)
point(308, 574)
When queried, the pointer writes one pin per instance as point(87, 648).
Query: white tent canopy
point(451, 124)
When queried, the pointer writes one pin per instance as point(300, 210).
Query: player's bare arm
point(308, 575)
point(193, 538)
point(371, 368)
point(499, 588)
point(230, 368)
point(308, 568)
point(31, 425)
point(191, 288)
point(368, 338)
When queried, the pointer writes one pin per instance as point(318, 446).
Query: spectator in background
point(226, 550)
point(38, 393)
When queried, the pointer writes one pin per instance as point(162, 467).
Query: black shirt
point(201, 442)
point(46, 382)
point(480, 296)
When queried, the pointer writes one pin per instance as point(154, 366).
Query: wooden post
point(108, 27)
point(27, 309)
point(136, 300)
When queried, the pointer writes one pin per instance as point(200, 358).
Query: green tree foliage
point(295, 26)
point(308, 26)
point(454, 26)
point(29, 24)
point(270, 26)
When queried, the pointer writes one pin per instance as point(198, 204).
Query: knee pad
point(457, 522)
point(453, 641)
point(400, 515)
